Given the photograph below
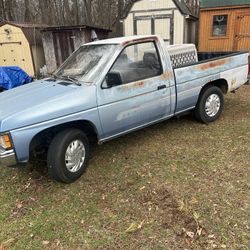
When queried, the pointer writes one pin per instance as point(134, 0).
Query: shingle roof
point(222, 3)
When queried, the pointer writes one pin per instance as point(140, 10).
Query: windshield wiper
point(74, 80)
point(68, 78)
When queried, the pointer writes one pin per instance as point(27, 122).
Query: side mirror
point(113, 79)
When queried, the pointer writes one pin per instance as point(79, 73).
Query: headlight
point(5, 141)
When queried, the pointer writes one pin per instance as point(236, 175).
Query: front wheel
point(210, 105)
point(68, 155)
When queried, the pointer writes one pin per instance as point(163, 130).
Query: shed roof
point(181, 6)
point(72, 27)
point(222, 3)
point(24, 25)
point(30, 30)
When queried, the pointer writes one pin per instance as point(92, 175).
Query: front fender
point(22, 137)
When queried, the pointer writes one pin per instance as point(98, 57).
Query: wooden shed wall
point(230, 42)
point(160, 7)
point(59, 44)
point(38, 57)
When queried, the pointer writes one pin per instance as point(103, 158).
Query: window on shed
point(220, 25)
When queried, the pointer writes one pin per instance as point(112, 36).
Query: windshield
point(84, 64)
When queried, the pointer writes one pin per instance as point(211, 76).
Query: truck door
point(135, 91)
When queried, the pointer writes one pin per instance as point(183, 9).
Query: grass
point(176, 185)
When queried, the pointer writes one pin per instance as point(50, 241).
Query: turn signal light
point(5, 141)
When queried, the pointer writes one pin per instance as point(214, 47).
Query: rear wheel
point(210, 105)
point(68, 155)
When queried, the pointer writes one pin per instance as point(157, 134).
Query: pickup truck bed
point(229, 67)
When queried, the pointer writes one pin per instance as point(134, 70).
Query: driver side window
point(135, 63)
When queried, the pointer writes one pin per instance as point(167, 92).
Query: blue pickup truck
point(107, 89)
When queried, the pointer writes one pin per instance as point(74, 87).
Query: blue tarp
point(11, 77)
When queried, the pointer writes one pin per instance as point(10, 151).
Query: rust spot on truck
point(233, 82)
point(168, 75)
point(134, 85)
point(213, 64)
point(164, 75)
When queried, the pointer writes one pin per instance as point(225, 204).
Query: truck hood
point(41, 101)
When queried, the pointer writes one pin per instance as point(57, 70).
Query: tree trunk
point(76, 10)
point(103, 13)
point(2, 11)
point(88, 11)
point(28, 17)
point(8, 6)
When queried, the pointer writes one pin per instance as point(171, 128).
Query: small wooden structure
point(21, 45)
point(224, 25)
point(59, 42)
point(174, 20)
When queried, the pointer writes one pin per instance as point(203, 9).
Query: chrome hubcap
point(212, 106)
point(75, 156)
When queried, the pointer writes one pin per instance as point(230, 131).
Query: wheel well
point(44, 138)
point(220, 83)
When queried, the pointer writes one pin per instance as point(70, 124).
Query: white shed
point(174, 20)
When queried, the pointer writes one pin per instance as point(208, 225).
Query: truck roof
point(124, 40)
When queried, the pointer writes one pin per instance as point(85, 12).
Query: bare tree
point(76, 11)
point(88, 11)
point(28, 17)
point(2, 10)
point(103, 13)
point(8, 9)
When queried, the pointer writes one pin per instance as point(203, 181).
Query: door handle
point(162, 87)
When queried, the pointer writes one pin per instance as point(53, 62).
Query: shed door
point(161, 25)
point(242, 38)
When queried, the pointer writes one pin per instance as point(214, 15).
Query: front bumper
point(7, 158)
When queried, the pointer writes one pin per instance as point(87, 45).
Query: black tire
point(201, 113)
point(57, 168)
